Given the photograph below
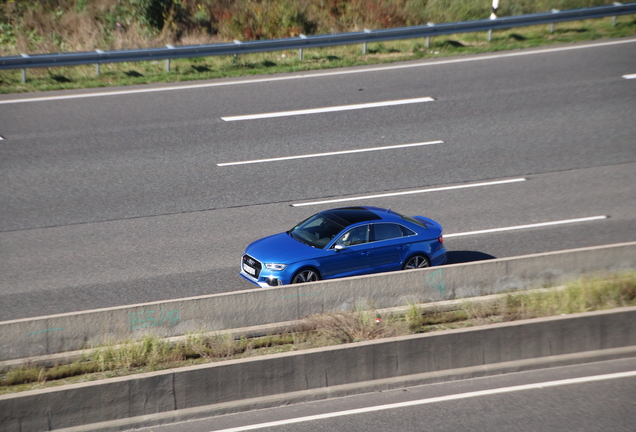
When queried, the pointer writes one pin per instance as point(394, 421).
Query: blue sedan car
point(344, 242)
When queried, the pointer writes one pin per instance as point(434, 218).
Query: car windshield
point(317, 231)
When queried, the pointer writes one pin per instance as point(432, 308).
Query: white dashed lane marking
point(528, 226)
point(284, 158)
point(328, 109)
point(411, 192)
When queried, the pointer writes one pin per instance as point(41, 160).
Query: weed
point(347, 327)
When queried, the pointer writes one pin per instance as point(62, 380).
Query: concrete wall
point(314, 369)
point(74, 331)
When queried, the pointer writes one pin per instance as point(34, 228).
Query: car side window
point(355, 236)
point(387, 231)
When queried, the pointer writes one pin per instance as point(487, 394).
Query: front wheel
point(416, 262)
point(306, 275)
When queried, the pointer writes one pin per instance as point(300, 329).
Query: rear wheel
point(416, 262)
point(306, 275)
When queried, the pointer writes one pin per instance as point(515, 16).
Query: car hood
point(281, 248)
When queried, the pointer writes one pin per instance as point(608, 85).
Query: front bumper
point(264, 280)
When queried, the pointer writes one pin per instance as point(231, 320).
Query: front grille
point(252, 263)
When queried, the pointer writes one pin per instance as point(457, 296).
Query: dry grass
point(83, 25)
point(353, 326)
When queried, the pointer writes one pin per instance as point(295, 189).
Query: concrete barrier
point(73, 331)
point(315, 369)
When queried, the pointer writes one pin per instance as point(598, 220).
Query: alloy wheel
point(416, 262)
point(305, 276)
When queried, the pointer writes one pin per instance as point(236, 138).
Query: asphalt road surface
point(591, 397)
point(120, 196)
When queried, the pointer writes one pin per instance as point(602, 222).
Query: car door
point(391, 244)
point(351, 257)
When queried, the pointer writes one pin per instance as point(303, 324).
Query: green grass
point(126, 74)
point(153, 353)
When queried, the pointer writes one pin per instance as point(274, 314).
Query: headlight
point(276, 267)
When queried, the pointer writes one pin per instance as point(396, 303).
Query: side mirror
point(338, 247)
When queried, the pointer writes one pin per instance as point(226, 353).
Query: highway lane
point(606, 404)
point(120, 199)
point(172, 256)
point(86, 160)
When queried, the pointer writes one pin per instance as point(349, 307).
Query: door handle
point(365, 253)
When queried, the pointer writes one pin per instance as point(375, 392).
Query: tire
point(306, 275)
point(416, 262)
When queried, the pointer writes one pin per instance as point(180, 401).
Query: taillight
point(441, 239)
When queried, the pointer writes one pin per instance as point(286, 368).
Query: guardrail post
point(300, 51)
point(97, 69)
point(428, 38)
point(235, 59)
point(614, 17)
point(552, 25)
point(23, 70)
point(168, 60)
point(364, 45)
point(493, 16)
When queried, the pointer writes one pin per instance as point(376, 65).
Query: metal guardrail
point(304, 42)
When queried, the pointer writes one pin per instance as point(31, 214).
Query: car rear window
point(410, 219)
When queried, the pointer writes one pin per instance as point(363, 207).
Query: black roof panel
point(350, 215)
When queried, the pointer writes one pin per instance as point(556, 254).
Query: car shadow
point(457, 257)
